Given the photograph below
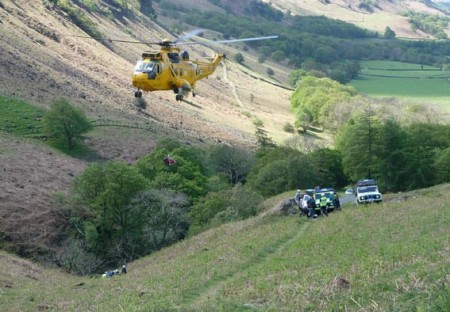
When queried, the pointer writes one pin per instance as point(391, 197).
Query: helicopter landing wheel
point(179, 97)
point(138, 94)
point(194, 94)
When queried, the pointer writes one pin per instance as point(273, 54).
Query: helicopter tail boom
point(207, 68)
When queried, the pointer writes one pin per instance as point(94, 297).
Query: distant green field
point(404, 80)
point(18, 117)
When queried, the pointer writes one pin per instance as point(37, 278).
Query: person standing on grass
point(306, 205)
point(323, 204)
point(337, 202)
point(298, 199)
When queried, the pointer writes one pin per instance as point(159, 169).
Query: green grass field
point(404, 80)
point(393, 256)
point(18, 117)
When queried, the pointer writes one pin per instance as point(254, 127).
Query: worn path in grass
point(213, 289)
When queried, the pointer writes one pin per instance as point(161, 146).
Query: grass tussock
point(388, 257)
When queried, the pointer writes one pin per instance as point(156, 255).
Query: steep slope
point(41, 60)
point(392, 256)
point(31, 175)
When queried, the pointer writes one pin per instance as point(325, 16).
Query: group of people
point(111, 273)
point(308, 206)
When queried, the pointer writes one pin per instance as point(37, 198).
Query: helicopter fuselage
point(168, 69)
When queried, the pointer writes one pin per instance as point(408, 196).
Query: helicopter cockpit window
point(151, 68)
point(141, 66)
point(146, 67)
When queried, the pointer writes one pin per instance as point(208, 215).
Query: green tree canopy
point(356, 142)
point(442, 165)
point(165, 219)
point(329, 170)
point(187, 175)
point(231, 161)
point(238, 57)
point(110, 224)
point(216, 208)
point(65, 124)
point(389, 33)
point(392, 159)
point(315, 97)
point(281, 169)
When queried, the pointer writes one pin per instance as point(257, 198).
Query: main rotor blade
point(188, 35)
point(230, 40)
point(114, 40)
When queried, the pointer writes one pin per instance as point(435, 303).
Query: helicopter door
point(158, 81)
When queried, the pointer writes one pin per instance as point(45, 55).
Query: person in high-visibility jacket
point(323, 204)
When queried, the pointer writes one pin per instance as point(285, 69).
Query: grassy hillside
point(388, 257)
point(403, 80)
point(18, 117)
point(372, 15)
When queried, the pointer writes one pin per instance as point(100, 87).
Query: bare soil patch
point(30, 176)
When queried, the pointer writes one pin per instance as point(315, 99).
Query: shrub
point(65, 124)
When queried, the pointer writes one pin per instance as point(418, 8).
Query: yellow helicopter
point(172, 69)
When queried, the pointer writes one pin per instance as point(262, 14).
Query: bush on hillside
point(237, 203)
point(281, 169)
point(65, 124)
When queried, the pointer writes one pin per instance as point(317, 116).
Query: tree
point(351, 69)
point(338, 75)
point(238, 57)
point(205, 210)
point(281, 169)
point(147, 8)
point(389, 33)
point(187, 175)
point(165, 217)
point(261, 135)
point(423, 141)
point(243, 203)
point(442, 165)
point(295, 76)
point(356, 142)
point(111, 226)
point(75, 259)
point(233, 162)
point(314, 98)
point(237, 203)
point(390, 147)
point(65, 124)
point(277, 56)
point(328, 164)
